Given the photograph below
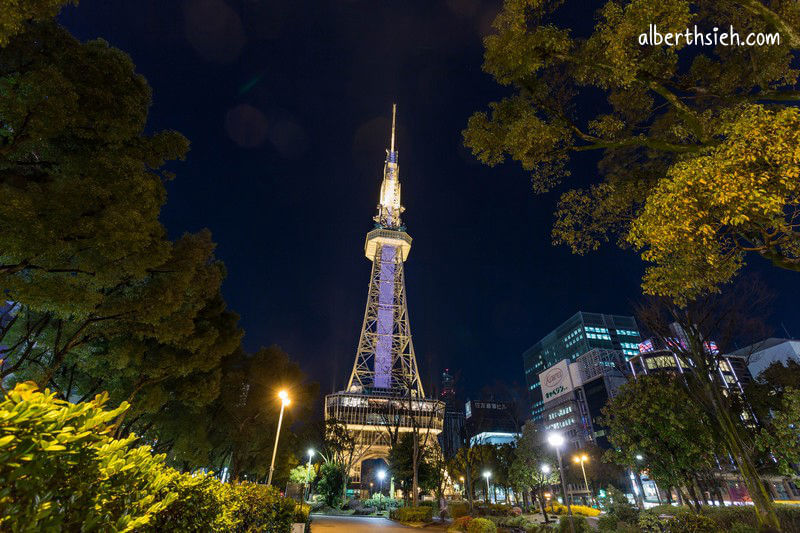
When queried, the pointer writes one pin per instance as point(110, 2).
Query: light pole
point(546, 472)
point(582, 459)
point(381, 477)
point(310, 453)
point(487, 475)
point(556, 440)
point(284, 396)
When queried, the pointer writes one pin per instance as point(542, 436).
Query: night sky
point(287, 105)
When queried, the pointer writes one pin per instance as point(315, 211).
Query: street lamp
point(381, 476)
point(284, 396)
point(310, 454)
point(487, 475)
point(582, 459)
point(556, 440)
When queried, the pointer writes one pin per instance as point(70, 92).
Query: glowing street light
point(556, 440)
point(582, 459)
point(381, 477)
point(284, 396)
point(487, 475)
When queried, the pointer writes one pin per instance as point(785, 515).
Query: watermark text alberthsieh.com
point(715, 37)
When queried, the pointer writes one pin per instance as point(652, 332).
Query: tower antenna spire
point(394, 113)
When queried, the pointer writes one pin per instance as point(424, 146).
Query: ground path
point(361, 524)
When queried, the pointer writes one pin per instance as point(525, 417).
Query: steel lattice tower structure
point(384, 396)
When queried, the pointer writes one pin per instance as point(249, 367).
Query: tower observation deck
point(384, 396)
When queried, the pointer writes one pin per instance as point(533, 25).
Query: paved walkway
point(360, 524)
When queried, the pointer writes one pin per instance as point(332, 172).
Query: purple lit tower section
point(385, 359)
point(385, 326)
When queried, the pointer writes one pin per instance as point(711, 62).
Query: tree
point(655, 418)
point(765, 393)
point(331, 483)
point(696, 142)
point(781, 436)
point(599, 472)
point(401, 462)
point(468, 462)
point(15, 14)
point(698, 334)
point(245, 415)
point(534, 468)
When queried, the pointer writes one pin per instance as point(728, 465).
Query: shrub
point(618, 506)
point(725, 517)
point(739, 527)
point(331, 483)
point(651, 522)
point(581, 525)
point(625, 527)
point(607, 524)
point(458, 510)
point(585, 510)
point(412, 514)
point(481, 525)
point(462, 523)
point(691, 523)
point(363, 511)
point(60, 470)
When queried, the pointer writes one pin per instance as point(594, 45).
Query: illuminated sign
point(556, 381)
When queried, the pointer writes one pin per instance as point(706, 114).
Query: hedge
point(60, 470)
point(412, 514)
point(726, 517)
point(481, 525)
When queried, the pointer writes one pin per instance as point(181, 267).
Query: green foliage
point(696, 144)
point(655, 417)
point(60, 470)
point(739, 527)
point(422, 513)
point(650, 521)
point(458, 509)
point(331, 482)
point(381, 502)
point(305, 473)
point(401, 457)
point(781, 437)
point(581, 525)
point(481, 525)
point(617, 506)
point(14, 14)
point(607, 523)
point(691, 523)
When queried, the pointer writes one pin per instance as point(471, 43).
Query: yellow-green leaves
point(738, 196)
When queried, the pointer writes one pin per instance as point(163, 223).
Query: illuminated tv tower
point(384, 396)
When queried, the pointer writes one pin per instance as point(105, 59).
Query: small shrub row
point(580, 510)
point(412, 514)
point(481, 525)
point(60, 470)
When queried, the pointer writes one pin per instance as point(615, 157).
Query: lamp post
point(582, 459)
point(381, 476)
point(310, 454)
point(487, 475)
point(284, 396)
point(546, 472)
point(556, 440)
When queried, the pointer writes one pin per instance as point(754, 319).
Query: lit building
point(762, 354)
point(577, 336)
point(491, 422)
point(384, 394)
point(575, 392)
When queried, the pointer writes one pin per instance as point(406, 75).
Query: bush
point(584, 510)
point(462, 523)
point(691, 523)
point(624, 527)
point(481, 525)
point(60, 470)
point(516, 511)
point(618, 506)
point(581, 525)
point(458, 510)
point(607, 524)
point(331, 483)
point(739, 527)
point(651, 521)
point(412, 514)
point(381, 502)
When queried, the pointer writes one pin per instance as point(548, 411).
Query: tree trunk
point(542, 506)
point(765, 510)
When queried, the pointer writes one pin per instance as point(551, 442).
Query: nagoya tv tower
point(384, 396)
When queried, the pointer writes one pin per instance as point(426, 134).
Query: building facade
point(773, 350)
point(491, 422)
point(452, 436)
point(578, 335)
point(575, 393)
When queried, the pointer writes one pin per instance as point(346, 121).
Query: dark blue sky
point(287, 106)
